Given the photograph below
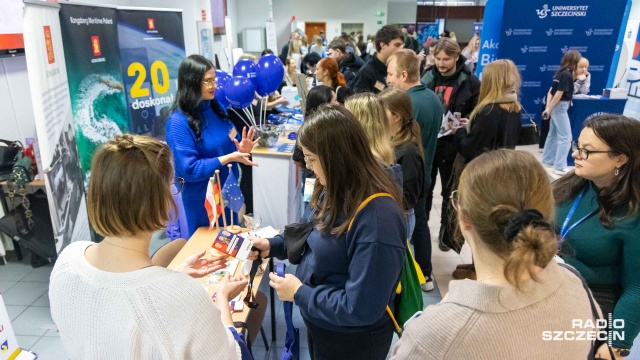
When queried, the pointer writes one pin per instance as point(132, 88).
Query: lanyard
point(564, 231)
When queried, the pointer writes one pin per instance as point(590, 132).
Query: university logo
point(4, 347)
point(537, 101)
point(617, 47)
point(549, 32)
point(509, 32)
point(151, 23)
point(589, 32)
point(564, 49)
point(542, 13)
point(543, 68)
point(95, 45)
point(524, 49)
point(48, 42)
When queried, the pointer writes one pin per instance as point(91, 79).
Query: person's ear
point(620, 160)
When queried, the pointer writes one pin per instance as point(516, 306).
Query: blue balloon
point(222, 75)
point(270, 74)
point(221, 91)
point(246, 68)
point(240, 92)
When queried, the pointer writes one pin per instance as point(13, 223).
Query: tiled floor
point(24, 290)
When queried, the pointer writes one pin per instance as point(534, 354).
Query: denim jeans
point(558, 144)
point(410, 220)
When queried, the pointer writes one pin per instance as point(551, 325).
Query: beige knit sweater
point(481, 321)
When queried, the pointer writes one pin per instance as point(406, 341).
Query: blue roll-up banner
point(536, 34)
point(490, 36)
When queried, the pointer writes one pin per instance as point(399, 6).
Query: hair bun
point(522, 219)
point(125, 142)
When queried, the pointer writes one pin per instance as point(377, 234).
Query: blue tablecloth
point(583, 109)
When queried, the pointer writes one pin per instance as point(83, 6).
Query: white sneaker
point(561, 172)
point(428, 286)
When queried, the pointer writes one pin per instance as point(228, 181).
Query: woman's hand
point(286, 286)
point(247, 142)
point(546, 114)
point(229, 288)
point(260, 244)
point(237, 156)
point(197, 266)
point(582, 77)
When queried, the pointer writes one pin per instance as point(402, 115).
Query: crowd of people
point(374, 139)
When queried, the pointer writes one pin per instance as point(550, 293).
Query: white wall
point(402, 12)
point(333, 12)
point(17, 121)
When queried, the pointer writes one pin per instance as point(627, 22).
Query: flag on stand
point(212, 202)
point(232, 194)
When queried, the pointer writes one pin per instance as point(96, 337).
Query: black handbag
point(295, 239)
point(529, 132)
point(8, 154)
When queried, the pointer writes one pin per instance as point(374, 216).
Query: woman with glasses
point(598, 218)
point(522, 297)
point(108, 300)
point(202, 138)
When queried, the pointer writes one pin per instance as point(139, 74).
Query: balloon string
point(249, 115)
point(240, 116)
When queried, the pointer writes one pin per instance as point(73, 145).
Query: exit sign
point(380, 13)
point(379, 22)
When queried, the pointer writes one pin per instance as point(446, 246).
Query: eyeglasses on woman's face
point(310, 162)
point(209, 82)
point(584, 153)
point(176, 186)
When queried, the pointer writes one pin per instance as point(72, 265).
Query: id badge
point(379, 86)
point(233, 133)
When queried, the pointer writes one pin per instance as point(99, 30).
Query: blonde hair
point(524, 186)
point(294, 47)
point(304, 40)
point(498, 78)
point(129, 190)
point(407, 60)
point(471, 47)
point(368, 110)
point(248, 56)
point(317, 40)
point(582, 61)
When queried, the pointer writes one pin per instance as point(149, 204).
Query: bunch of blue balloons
point(248, 78)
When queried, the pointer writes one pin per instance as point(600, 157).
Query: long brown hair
point(569, 62)
point(523, 186)
point(398, 103)
point(622, 135)
point(351, 171)
point(333, 70)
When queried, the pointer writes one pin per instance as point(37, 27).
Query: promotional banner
point(52, 109)
point(424, 30)
point(90, 38)
point(490, 36)
point(151, 49)
point(632, 76)
point(536, 34)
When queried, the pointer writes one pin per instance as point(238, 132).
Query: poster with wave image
point(98, 101)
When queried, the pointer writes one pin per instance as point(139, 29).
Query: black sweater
point(373, 73)
point(412, 164)
point(492, 128)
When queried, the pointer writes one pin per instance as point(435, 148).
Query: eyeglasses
point(584, 153)
point(454, 199)
point(209, 82)
point(309, 161)
point(177, 185)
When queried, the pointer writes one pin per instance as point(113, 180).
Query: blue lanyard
point(564, 231)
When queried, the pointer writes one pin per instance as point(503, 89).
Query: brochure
point(233, 245)
point(449, 121)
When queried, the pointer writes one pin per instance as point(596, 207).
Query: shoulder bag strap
point(362, 205)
